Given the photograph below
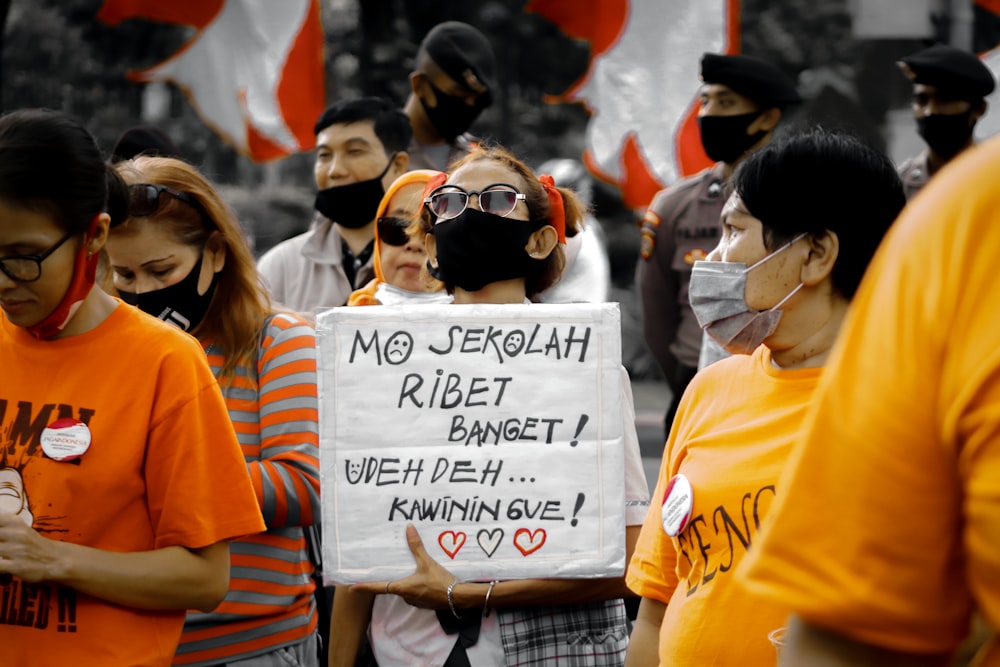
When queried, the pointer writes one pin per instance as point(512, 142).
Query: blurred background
point(56, 54)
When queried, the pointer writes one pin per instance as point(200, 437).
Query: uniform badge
point(650, 223)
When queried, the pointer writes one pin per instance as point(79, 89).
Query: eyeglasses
point(393, 230)
point(147, 198)
point(28, 268)
point(449, 201)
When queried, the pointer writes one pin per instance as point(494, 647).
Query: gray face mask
point(717, 293)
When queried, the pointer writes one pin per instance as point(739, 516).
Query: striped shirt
point(273, 408)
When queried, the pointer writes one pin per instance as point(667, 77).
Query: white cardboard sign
point(496, 430)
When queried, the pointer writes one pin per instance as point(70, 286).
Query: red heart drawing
point(528, 542)
point(451, 542)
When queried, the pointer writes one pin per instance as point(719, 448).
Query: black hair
point(819, 180)
point(392, 126)
point(144, 140)
point(49, 162)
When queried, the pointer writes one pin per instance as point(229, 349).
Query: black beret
point(143, 140)
point(751, 77)
point(464, 54)
point(954, 72)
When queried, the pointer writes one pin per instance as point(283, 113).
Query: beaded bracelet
point(451, 602)
point(486, 602)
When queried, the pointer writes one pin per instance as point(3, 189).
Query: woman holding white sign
point(495, 234)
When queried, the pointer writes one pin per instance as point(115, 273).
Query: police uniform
point(682, 226)
point(955, 74)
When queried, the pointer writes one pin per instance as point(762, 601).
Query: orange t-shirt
point(733, 431)
point(888, 527)
point(163, 469)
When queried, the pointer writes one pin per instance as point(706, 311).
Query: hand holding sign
point(426, 588)
point(499, 436)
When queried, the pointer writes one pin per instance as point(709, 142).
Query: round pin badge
point(65, 439)
point(678, 500)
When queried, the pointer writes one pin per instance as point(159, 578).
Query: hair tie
point(557, 210)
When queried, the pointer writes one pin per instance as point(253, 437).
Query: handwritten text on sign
point(495, 430)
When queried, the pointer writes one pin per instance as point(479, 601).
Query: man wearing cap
point(949, 87)
point(360, 151)
point(453, 83)
point(742, 100)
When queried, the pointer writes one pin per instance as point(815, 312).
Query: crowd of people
point(827, 332)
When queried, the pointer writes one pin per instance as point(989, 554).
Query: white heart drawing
point(489, 540)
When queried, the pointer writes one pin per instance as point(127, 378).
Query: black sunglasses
point(146, 199)
point(393, 230)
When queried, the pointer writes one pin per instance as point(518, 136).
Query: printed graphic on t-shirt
point(32, 605)
point(713, 543)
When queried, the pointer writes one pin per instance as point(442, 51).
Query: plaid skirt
point(579, 635)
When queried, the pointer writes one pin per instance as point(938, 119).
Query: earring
point(433, 263)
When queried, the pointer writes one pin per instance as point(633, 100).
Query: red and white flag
point(253, 70)
point(642, 84)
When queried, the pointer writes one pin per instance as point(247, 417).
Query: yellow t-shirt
point(734, 428)
point(888, 526)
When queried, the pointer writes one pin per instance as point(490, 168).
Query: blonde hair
point(235, 318)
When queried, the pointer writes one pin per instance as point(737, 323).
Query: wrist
point(57, 561)
point(469, 595)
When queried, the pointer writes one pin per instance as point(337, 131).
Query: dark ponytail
point(118, 196)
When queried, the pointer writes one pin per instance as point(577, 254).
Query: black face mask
point(452, 116)
point(946, 134)
point(353, 206)
point(475, 249)
point(725, 138)
point(179, 304)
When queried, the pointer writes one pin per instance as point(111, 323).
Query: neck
point(357, 239)
point(503, 291)
point(94, 310)
point(730, 167)
point(423, 130)
point(810, 343)
point(936, 161)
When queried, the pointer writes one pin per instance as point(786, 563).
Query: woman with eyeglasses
point(122, 480)
point(180, 256)
point(494, 233)
point(399, 258)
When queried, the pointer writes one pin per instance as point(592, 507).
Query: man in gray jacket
point(360, 151)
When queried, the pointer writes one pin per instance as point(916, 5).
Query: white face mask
point(717, 293)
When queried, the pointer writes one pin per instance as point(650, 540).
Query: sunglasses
point(449, 201)
point(393, 230)
point(146, 199)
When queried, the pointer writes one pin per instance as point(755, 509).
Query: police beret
point(952, 71)
point(464, 54)
point(751, 77)
point(143, 140)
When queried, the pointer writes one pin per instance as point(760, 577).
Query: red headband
point(557, 211)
